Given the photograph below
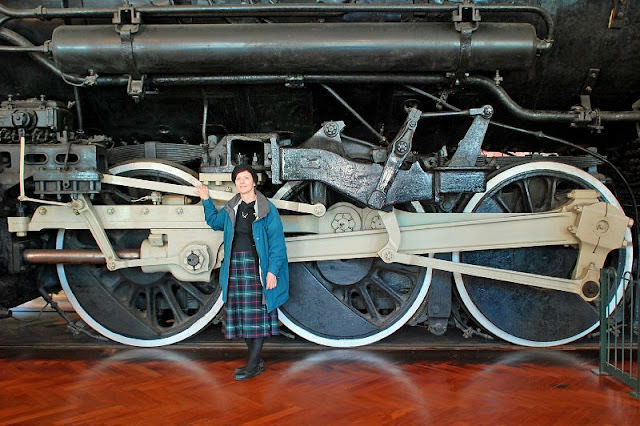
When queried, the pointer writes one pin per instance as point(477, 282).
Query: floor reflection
point(352, 382)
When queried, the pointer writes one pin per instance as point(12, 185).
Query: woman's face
point(244, 182)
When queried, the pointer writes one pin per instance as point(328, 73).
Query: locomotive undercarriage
point(381, 219)
point(171, 240)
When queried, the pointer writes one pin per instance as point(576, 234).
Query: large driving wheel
point(351, 302)
point(128, 305)
point(522, 314)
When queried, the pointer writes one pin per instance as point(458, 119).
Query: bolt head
point(387, 256)
point(602, 226)
point(590, 289)
point(402, 147)
point(331, 129)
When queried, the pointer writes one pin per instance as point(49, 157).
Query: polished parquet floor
point(64, 380)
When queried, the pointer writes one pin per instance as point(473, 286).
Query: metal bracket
point(465, 14)
point(127, 19)
point(135, 88)
point(127, 22)
point(400, 148)
point(83, 207)
point(465, 20)
point(294, 82)
point(469, 147)
point(587, 87)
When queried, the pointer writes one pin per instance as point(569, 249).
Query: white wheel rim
point(495, 181)
point(352, 342)
point(86, 317)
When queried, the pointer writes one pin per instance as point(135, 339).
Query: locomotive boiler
point(436, 163)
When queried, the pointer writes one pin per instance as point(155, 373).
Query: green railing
point(619, 344)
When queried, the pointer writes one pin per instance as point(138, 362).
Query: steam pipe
point(544, 116)
point(17, 39)
point(484, 82)
point(13, 49)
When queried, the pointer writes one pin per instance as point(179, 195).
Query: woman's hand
point(203, 192)
point(272, 281)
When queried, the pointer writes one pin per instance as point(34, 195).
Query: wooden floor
point(195, 387)
point(49, 376)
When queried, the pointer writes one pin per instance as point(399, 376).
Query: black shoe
point(249, 373)
point(242, 369)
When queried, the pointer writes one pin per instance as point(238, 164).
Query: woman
point(254, 275)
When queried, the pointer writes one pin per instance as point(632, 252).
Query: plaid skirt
point(245, 315)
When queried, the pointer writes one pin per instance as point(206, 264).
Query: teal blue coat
point(270, 245)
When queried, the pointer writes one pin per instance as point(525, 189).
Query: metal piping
point(545, 116)
point(80, 127)
point(287, 79)
point(12, 49)
point(42, 12)
point(74, 256)
point(17, 39)
point(344, 103)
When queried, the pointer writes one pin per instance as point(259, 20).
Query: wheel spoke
point(174, 305)
point(387, 289)
point(192, 290)
point(131, 297)
point(152, 314)
point(526, 195)
point(551, 195)
point(371, 307)
point(501, 203)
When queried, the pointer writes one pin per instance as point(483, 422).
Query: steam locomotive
point(436, 163)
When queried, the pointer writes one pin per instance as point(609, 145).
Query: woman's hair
point(244, 168)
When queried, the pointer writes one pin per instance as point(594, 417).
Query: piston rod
point(74, 256)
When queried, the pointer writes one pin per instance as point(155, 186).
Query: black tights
point(255, 347)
